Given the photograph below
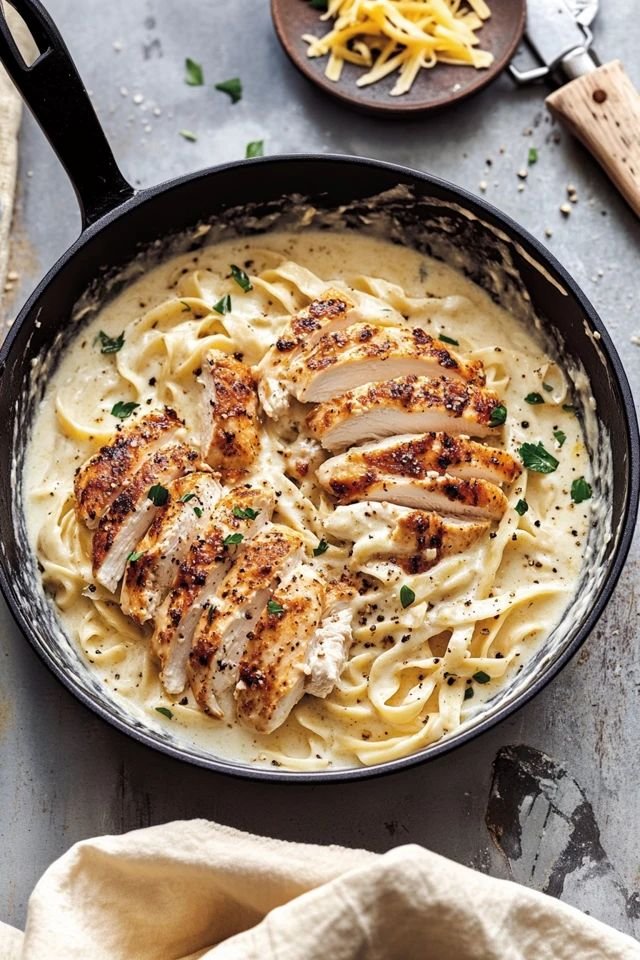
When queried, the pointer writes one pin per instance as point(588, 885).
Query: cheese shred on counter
point(406, 36)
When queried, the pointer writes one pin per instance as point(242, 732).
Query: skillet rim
point(545, 258)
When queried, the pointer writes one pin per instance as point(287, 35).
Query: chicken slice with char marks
point(99, 481)
point(243, 511)
point(221, 635)
point(127, 519)
point(401, 406)
point(230, 417)
point(363, 353)
point(329, 313)
point(272, 670)
point(444, 494)
point(149, 576)
point(414, 540)
point(418, 456)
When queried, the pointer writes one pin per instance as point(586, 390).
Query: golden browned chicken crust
point(417, 456)
point(99, 481)
point(420, 533)
point(230, 430)
point(133, 505)
point(271, 677)
point(403, 405)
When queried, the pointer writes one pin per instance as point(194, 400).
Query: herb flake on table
point(498, 415)
point(581, 490)
point(241, 278)
point(446, 339)
point(223, 305)
point(322, 547)
point(407, 596)
point(274, 607)
point(536, 458)
point(232, 87)
point(254, 149)
point(521, 507)
point(110, 344)
point(123, 409)
point(188, 135)
point(560, 437)
point(158, 495)
point(165, 712)
point(193, 73)
point(532, 156)
point(245, 513)
point(534, 398)
point(233, 539)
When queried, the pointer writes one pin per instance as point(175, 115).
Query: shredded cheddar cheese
point(400, 35)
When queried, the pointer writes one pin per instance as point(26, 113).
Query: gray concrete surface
point(65, 775)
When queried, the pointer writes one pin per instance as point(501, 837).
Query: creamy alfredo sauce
point(476, 617)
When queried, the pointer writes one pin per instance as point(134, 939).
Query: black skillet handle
point(59, 101)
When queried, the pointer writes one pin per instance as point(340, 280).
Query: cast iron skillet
point(117, 221)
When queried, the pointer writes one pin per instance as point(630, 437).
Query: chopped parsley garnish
point(188, 135)
point(521, 507)
point(194, 75)
point(186, 307)
point(536, 458)
point(223, 305)
point(241, 278)
point(158, 495)
point(581, 490)
point(274, 607)
point(534, 398)
point(481, 677)
point(135, 555)
point(254, 149)
point(245, 513)
point(533, 155)
point(568, 407)
point(233, 539)
point(468, 693)
point(186, 497)
point(165, 712)
point(407, 596)
point(198, 512)
point(547, 387)
point(322, 547)
point(560, 436)
point(498, 415)
point(123, 409)
point(232, 87)
point(446, 339)
point(110, 344)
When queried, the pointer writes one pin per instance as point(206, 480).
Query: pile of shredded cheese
point(402, 35)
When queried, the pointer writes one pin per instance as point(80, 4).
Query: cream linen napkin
point(194, 889)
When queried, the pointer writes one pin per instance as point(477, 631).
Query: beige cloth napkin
point(194, 889)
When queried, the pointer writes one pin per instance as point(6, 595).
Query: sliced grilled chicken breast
point(331, 643)
point(403, 405)
point(151, 572)
point(418, 456)
point(243, 511)
point(444, 494)
point(221, 634)
point(363, 353)
point(273, 670)
point(127, 519)
point(413, 539)
point(328, 314)
point(230, 440)
point(99, 481)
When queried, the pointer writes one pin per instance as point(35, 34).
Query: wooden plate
point(431, 90)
